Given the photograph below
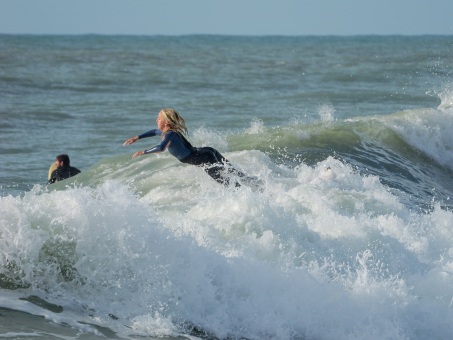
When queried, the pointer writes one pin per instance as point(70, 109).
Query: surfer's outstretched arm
point(158, 148)
point(138, 153)
point(150, 133)
point(130, 141)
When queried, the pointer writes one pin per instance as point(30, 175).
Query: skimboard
point(51, 169)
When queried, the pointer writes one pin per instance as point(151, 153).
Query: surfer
point(63, 169)
point(172, 128)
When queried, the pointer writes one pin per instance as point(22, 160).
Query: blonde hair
point(174, 120)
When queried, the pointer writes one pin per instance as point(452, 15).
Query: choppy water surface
point(350, 238)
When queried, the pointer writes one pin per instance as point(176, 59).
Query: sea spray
point(317, 242)
point(349, 238)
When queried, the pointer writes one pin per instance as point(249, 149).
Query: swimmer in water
point(172, 128)
point(63, 169)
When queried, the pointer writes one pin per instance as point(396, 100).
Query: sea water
point(349, 237)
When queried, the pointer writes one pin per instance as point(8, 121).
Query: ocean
point(350, 236)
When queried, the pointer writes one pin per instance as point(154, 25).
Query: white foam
point(326, 113)
point(446, 99)
point(427, 130)
point(323, 252)
point(256, 127)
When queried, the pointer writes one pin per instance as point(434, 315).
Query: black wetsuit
point(213, 162)
point(62, 173)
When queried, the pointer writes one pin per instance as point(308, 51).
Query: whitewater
point(350, 238)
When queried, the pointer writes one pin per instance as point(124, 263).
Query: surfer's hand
point(138, 153)
point(130, 141)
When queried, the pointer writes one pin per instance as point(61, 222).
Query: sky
point(230, 17)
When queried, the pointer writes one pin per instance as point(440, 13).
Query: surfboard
point(51, 169)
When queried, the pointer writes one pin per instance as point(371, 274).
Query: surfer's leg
point(217, 172)
point(230, 168)
point(222, 168)
point(215, 165)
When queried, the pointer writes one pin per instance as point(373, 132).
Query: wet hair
point(63, 158)
point(174, 120)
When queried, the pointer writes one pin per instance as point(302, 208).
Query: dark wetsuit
point(213, 162)
point(62, 173)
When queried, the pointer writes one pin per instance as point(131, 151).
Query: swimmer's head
point(62, 160)
point(173, 120)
